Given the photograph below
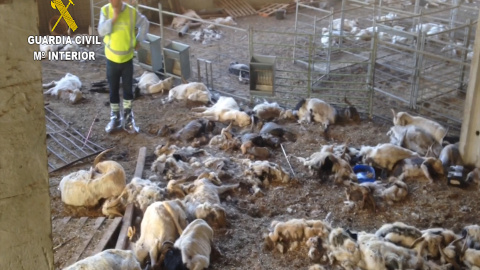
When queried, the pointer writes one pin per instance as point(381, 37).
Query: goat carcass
point(104, 180)
point(192, 249)
point(67, 88)
point(162, 221)
point(149, 83)
point(226, 110)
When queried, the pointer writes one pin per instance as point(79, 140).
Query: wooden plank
point(107, 235)
point(126, 222)
point(270, 9)
point(81, 248)
point(237, 8)
point(142, 153)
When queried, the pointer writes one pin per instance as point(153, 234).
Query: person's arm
point(105, 25)
point(142, 25)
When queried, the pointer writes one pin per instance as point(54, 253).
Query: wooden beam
point(142, 153)
point(81, 248)
point(126, 222)
point(108, 235)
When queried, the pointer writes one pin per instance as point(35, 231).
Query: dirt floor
point(241, 242)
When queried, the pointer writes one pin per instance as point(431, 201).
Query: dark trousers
point(116, 71)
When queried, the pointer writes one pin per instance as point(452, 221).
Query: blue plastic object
point(364, 173)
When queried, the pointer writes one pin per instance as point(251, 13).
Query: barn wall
point(25, 221)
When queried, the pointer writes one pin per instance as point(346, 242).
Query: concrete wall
point(25, 222)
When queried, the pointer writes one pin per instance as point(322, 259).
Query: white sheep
point(385, 156)
point(110, 259)
point(192, 249)
point(430, 126)
point(225, 110)
point(139, 191)
point(399, 233)
point(149, 83)
point(162, 221)
point(203, 199)
point(194, 91)
point(67, 88)
point(104, 180)
point(416, 139)
point(293, 231)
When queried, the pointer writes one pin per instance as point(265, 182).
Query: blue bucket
point(364, 173)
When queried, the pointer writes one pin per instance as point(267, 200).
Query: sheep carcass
point(418, 167)
point(320, 111)
point(203, 200)
point(104, 180)
point(109, 259)
point(194, 91)
point(225, 110)
point(385, 156)
point(326, 160)
point(67, 88)
point(399, 233)
point(267, 111)
point(192, 249)
point(225, 21)
point(432, 127)
point(139, 191)
point(343, 248)
point(149, 83)
point(293, 231)
point(414, 138)
point(450, 155)
point(162, 221)
point(263, 173)
point(431, 240)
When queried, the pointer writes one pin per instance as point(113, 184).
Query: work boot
point(115, 122)
point(129, 122)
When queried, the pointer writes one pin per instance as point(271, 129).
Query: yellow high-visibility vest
point(120, 43)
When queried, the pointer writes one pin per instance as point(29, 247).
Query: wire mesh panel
point(66, 145)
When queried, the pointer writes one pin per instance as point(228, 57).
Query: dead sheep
point(474, 176)
point(107, 260)
point(419, 168)
point(192, 249)
point(384, 156)
point(194, 129)
point(262, 173)
point(149, 83)
point(430, 126)
point(316, 248)
point(378, 254)
point(317, 110)
point(225, 21)
point(225, 110)
point(430, 241)
point(399, 233)
point(472, 236)
point(225, 140)
point(67, 88)
point(343, 248)
point(104, 180)
point(162, 221)
point(268, 111)
point(202, 199)
point(194, 91)
point(416, 139)
point(329, 160)
point(139, 191)
point(293, 231)
point(450, 156)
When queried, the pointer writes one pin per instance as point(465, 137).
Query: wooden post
point(470, 134)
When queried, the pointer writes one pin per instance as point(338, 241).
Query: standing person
point(117, 25)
